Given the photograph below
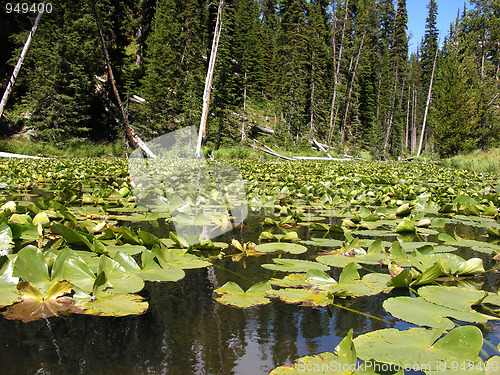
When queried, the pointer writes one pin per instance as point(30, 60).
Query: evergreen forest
point(338, 71)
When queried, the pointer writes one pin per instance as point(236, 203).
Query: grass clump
point(477, 161)
point(70, 149)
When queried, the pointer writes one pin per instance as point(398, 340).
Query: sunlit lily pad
point(294, 280)
point(418, 346)
point(271, 247)
point(150, 270)
point(112, 305)
point(326, 242)
point(294, 265)
point(232, 294)
point(423, 313)
point(453, 297)
point(340, 260)
point(305, 297)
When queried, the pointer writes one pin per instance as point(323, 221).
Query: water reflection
point(186, 331)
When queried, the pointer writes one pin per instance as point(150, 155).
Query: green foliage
point(289, 65)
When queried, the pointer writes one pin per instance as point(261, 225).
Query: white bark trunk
point(208, 80)
point(427, 105)
point(13, 77)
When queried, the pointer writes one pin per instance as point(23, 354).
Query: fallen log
point(321, 148)
point(319, 158)
point(271, 152)
point(261, 129)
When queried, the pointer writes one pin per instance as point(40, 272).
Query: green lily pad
point(5, 236)
point(340, 260)
point(271, 247)
point(423, 313)
point(150, 271)
point(118, 279)
point(325, 242)
point(129, 249)
point(294, 265)
point(112, 305)
point(453, 297)
point(8, 283)
point(418, 346)
point(306, 297)
point(30, 265)
point(232, 294)
point(294, 280)
point(178, 257)
point(406, 226)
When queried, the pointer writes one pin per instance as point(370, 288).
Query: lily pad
point(232, 294)
point(294, 265)
point(418, 346)
point(150, 271)
point(423, 313)
point(271, 247)
point(305, 297)
point(453, 297)
point(105, 304)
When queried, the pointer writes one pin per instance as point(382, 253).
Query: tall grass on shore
point(478, 161)
point(74, 149)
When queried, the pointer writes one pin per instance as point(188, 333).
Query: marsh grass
point(70, 149)
point(478, 161)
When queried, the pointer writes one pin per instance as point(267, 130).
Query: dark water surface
point(185, 331)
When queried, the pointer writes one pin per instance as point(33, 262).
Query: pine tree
point(60, 98)
point(429, 43)
point(320, 68)
point(293, 61)
point(454, 106)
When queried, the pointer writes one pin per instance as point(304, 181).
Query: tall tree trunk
point(208, 80)
point(427, 104)
point(414, 122)
point(378, 97)
point(407, 129)
point(128, 129)
point(391, 116)
point(13, 77)
point(243, 132)
point(351, 85)
point(336, 76)
point(312, 104)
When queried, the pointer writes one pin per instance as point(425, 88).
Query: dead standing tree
point(13, 77)
point(427, 104)
point(208, 80)
point(133, 140)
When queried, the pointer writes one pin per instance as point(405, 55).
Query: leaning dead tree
point(427, 104)
point(208, 80)
point(13, 77)
point(133, 140)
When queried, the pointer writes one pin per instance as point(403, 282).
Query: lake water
point(185, 331)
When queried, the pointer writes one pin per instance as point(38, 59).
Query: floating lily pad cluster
point(74, 240)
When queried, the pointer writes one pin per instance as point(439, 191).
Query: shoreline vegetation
point(487, 161)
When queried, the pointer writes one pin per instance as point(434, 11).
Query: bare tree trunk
point(414, 122)
point(427, 104)
point(13, 77)
point(128, 130)
point(208, 80)
point(391, 116)
point(378, 97)
point(351, 85)
point(243, 132)
point(337, 74)
point(312, 106)
point(407, 120)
